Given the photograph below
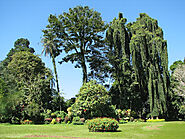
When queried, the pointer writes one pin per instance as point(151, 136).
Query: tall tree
point(21, 44)
point(118, 55)
point(176, 105)
point(150, 63)
point(51, 47)
point(34, 83)
point(179, 77)
point(80, 32)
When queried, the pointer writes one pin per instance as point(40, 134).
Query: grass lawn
point(158, 130)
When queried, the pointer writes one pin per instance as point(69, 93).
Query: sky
point(27, 18)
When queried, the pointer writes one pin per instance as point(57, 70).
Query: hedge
point(102, 125)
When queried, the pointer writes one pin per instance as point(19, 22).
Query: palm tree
point(50, 47)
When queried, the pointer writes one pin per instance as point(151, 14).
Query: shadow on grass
point(107, 131)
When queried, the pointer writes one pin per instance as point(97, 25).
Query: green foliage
point(155, 120)
point(123, 121)
point(47, 113)
point(175, 65)
point(150, 63)
point(53, 121)
point(70, 102)
point(10, 108)
point(33, 81)
point(60, 114)
point(102, 124)
point(139, 120)
point(93, 101)
point(79, 33)
point(67, 120)
point(177, 96)
point(19, 45)
point(27, 122)
point(47, 120)
point(118, 55)
point(77, 121)
point(51, 48)
point(3, 88)
point(53, 115)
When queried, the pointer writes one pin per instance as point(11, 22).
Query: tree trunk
point(84, 70)
point(56, 76)
point(83, 65)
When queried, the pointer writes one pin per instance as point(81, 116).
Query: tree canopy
point(33, 81)
point(80, 34)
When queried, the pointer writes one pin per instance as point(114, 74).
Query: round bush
point(102, 125)
point(93, 100)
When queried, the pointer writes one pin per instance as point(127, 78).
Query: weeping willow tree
point(150, 63)
point(117, 39)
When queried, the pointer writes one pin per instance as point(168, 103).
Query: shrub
point(123, 121)
point(139, 120)
point(102, 124)
point(15, 120)
point(76, 121)
point(133, 114)
point(27, 122)
point(93, 100)
point(67, 119)
point(60, 114)
point(53, 115)
point(131, 119)
point(46, 114)
point(47, 120)
point(53, 121)
point(155, 120)
point(58, 120)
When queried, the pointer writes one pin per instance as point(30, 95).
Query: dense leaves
point(93, 101)
point(177, 96)
point(102, 125)
point(80, 34)
point(33, 81)
point(51, 47)
point(124, 90)
point(150, 63)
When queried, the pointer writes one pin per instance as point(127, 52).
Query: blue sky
point(26, 19)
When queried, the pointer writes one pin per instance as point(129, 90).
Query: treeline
point(133, 56)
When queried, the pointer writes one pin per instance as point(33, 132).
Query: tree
point(118, 55)
point(50, 47)
point(33, 82)
point(3, 88)
point(10, 102)
point(175, 65)
point(80, 34)
point(176, 105)
point(21, 44)
point(150, 63)
point(93, 100)
point(179, 76)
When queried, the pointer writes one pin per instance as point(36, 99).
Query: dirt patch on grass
point(156, 127)
point(48, 136)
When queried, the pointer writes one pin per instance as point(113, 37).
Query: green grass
point(158, 130)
